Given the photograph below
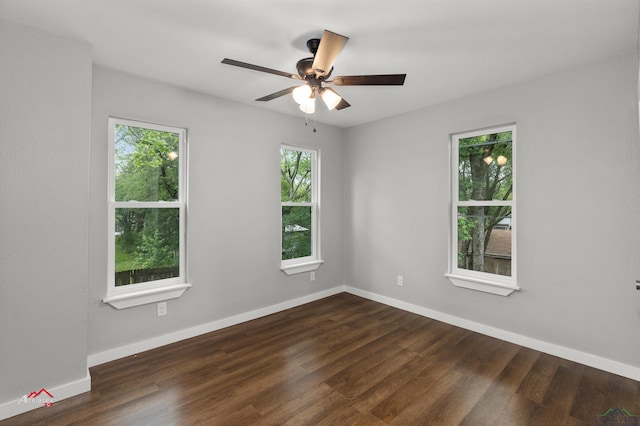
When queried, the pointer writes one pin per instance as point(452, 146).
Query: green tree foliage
point(484, 173)
point(295, 175)
point(146, 166)
point(146, 169)
point(296, 187)
point(296, 232)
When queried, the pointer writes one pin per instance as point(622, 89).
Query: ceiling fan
point(316, 70)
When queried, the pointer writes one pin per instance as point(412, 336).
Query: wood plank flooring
point(342, 360)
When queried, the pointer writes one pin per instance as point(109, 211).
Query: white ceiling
point(448, 48)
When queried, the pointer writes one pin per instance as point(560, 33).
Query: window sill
point(142, 297)
point(482, 285)
point(298, 268)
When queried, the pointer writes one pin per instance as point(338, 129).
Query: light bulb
point(502, 160)
point(172, 155)
point(330, 98)
point(309, 106)
point(301, 94)
point(488, 159)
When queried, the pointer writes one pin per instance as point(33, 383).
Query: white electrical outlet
point(400, 280)
point(312, 276)
point(162, 309)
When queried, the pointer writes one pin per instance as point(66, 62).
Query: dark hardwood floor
point(342, 360)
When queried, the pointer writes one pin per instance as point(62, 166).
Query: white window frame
point(482, 281)
point(159, 290)
point(313, 262)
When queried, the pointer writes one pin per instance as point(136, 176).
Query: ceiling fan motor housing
point(306, 71)
point(305, 68)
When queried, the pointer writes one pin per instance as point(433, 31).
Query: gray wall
point(45, 108)
point(578, 201)
point(234, 207)
point(578, 177)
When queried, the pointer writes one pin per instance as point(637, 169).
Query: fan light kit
point(316, 70)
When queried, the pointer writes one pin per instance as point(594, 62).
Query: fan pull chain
point(306, 121)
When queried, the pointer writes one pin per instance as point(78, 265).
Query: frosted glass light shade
point(331, 98)
point(309, 106)
point(301, 94)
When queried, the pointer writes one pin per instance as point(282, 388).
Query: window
point(483, 221)
point(299, 178)
point(147, 207)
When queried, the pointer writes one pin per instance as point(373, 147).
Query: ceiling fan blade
point(369, 80)
point(277, 94)
point(259, 68)
point(343, 104)
point(331, 45)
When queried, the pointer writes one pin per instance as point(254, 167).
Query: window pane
point(484, 239)
point(295, 175)
point(146, 166)
point(296, 232)
point(147, 245)
point(485, 167)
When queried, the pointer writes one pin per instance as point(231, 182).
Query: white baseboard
point(145, 345)
point(591, 360)
point(18, 406)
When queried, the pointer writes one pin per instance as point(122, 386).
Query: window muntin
point(299, 206)
point(483, 206)
point(146, 206)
